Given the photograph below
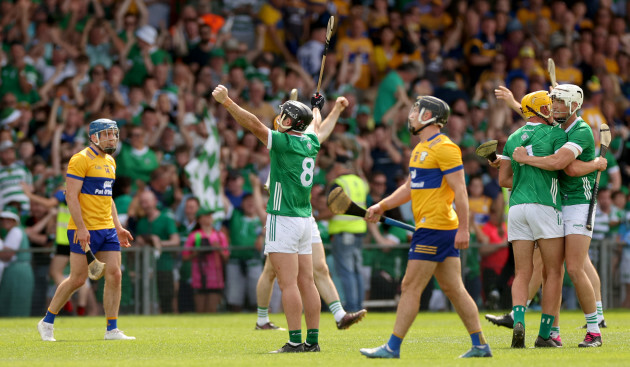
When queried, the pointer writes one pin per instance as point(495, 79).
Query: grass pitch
point(436, 339)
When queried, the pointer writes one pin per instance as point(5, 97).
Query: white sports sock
point(263, 316)
point(592, 323)
point(337, 310)
point(600, 311)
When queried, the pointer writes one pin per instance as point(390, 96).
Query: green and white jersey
point(291, 175)
point(10, 190)
point(533, 185)
point(578, 190)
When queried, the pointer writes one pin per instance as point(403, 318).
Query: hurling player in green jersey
point(288, 229)
point(578, 163)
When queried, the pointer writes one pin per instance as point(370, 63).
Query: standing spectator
point(207, 265)
point(347, 234)
point(11, 175)
point(245, 265)
point(143, 56)
point(185, 300)
point(310, 53)
point(18, 77)
point(361, 47)
point(18, 281)
point(494, 256)
point(385, 156)
point(158, 229)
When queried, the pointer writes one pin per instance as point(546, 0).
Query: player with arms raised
point(288, 227)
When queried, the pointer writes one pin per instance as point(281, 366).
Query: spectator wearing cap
point(12, 174)
point(143, 56)
point(18, 77)
point(18, 281)
point(513, 40)
point(525, 65)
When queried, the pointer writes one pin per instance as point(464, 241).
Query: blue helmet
point(97, 126)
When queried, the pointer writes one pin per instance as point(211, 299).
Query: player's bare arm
point(124, 237)
point(578, 168)
point(506, 174)
point(457, 182)
point(317, 121)
point(244, 118)
point(73, 189)
point(396, 199)
point(327, 126)
point(557, 161)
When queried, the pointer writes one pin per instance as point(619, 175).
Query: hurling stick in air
point(96, 269)
point(329, 29)
point(551, 67)
point(340, 203)
point(604, 133)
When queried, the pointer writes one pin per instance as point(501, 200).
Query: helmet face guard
point(426, 111)
point(104, 130)
point(568, 94)
point(297, 114)
point(532, 104)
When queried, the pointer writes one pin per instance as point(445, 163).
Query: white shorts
point(316, 237)
point(575, 219)
point(289, 235)
point(530, 222)
point(624, 267)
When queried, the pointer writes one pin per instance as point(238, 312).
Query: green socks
point(519, 314)
point(312, 336)
point(295, 336)
point(546, 321)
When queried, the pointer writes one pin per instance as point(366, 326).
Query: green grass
point(436, 339)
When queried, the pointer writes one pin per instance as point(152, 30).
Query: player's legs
point(416, 278)
point(552, 253)
point(576, 254)
point(321, 275)
point(113, 281)
point(308, 291)
point(287, 269)
point(78, 275)
point(448, 275)
point(536, 280)
point(523, 269)
point(593, 277)
point(264, 287)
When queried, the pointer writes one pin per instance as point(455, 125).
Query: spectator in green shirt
point(135, 159)
point(143, 56)
point(18, 77)
point(158, 229)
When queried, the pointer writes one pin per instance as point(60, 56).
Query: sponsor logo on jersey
point(524, 137)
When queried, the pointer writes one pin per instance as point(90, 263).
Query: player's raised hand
point(317, 101)
point(342, 103)
point(462, 240)
point(373, 213)
point(124, 237)
point(220, 94)
point(519, 154)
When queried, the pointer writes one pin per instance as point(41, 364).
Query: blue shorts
point(433, 244)
point(100, 240)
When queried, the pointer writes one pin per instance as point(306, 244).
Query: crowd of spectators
point(150, 65)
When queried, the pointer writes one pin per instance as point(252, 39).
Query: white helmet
point(568, 93)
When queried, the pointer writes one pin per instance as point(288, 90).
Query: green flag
point(204, 173)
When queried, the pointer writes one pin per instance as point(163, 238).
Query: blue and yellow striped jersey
point(97, 170)
point(431, 197)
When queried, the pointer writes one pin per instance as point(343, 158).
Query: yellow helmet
point(532, 103)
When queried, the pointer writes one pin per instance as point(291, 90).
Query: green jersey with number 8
point(533, 185)
point(291, 175)
point(579, 190)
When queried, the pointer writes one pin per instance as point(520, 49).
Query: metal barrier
point(145, 280)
